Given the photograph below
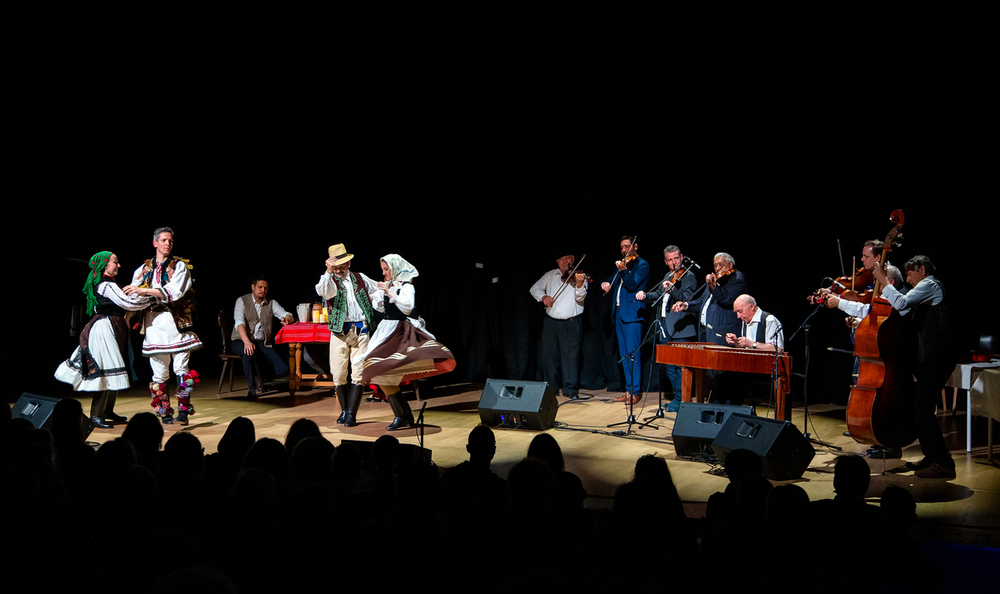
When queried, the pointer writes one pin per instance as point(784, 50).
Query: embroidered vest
point(183, 309)
point(338, 305)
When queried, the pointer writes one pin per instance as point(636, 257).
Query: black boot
point(353, 404)
point(400, 408)
point(99, 422)
point(342, 399)
point(109, 409)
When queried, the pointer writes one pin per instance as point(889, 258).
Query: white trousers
point(344, 348)
point(161, 366)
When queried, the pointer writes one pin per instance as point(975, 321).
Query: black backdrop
point(481, 143)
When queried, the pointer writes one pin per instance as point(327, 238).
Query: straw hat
point(339, 253)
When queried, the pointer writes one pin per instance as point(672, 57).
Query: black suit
point(720, 318)
point(677, 326)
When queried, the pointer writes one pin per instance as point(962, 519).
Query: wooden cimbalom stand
point(695, 357)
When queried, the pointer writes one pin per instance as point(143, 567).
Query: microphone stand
point(805, 328)
point(631, 420)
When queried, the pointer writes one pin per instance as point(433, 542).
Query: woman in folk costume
point(103, 361)
point(401, 348)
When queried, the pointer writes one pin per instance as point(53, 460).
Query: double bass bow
point(880, 408)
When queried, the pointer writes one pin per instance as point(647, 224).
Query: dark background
point(482, 142)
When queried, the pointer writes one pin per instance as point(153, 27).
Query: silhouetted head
point(545, 448)
point(851, 476)
point(300, 430)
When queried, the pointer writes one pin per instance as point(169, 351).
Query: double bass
point(880, 408)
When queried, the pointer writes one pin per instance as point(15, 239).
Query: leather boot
point(342, 399)
point(109, 409)
point(353, 404)
point(98, 403)
point(400, 408)
point(101, 423)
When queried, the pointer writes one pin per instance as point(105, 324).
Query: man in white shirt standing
point(252, 336)
point(563, 296)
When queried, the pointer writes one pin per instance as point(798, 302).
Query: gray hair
point(894, 274)
point(749, 300)
point(671, 249)
point(156, 234)
point(724, 256)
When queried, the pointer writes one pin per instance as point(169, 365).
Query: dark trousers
point(932, 374)
point(561, 341)
point(673, 371)
point(260, 353)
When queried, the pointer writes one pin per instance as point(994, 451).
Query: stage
point(964, 511)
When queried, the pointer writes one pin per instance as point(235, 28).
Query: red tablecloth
point(303, 332)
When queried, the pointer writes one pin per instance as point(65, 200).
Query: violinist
point(856, 288)
point(857, 310)
point(715, 306)
point(926, 306)
point(850, 302)
point(675, 326)
point(562, 291)
point(630, 277)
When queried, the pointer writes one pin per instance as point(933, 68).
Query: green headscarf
point(98, 262)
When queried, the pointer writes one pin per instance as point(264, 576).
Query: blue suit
point(628, 317)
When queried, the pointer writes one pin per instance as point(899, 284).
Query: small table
point(985, 402)
point(963, 378)
point(295, 335)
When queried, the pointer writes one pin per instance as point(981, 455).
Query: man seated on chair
point(252, 336)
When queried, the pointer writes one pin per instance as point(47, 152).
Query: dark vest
point(933, 326)
point(251, 319)
point(107, 307)
point(394, 313)
point(762, 328)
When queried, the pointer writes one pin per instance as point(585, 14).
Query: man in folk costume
point(166, 325)
point(348, 297)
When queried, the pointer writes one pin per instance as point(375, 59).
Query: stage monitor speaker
point(697, 425)
point(783, 450)
point(38, 410)
point(518, 404)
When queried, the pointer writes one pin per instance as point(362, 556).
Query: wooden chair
point(229, 360)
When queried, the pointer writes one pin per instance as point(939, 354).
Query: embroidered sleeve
point(178, 285)
point(127, 302)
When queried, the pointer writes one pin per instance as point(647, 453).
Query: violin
point(629, 256)
point(846, 287)
point(570, 275)
point(676, 275)
point(713, 278)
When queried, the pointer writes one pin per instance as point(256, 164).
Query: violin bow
point(572, 273)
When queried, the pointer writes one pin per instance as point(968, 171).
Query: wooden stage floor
point(962, 511)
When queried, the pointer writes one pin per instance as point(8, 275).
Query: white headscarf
point(400, 270)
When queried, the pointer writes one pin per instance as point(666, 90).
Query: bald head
point(745, 307)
